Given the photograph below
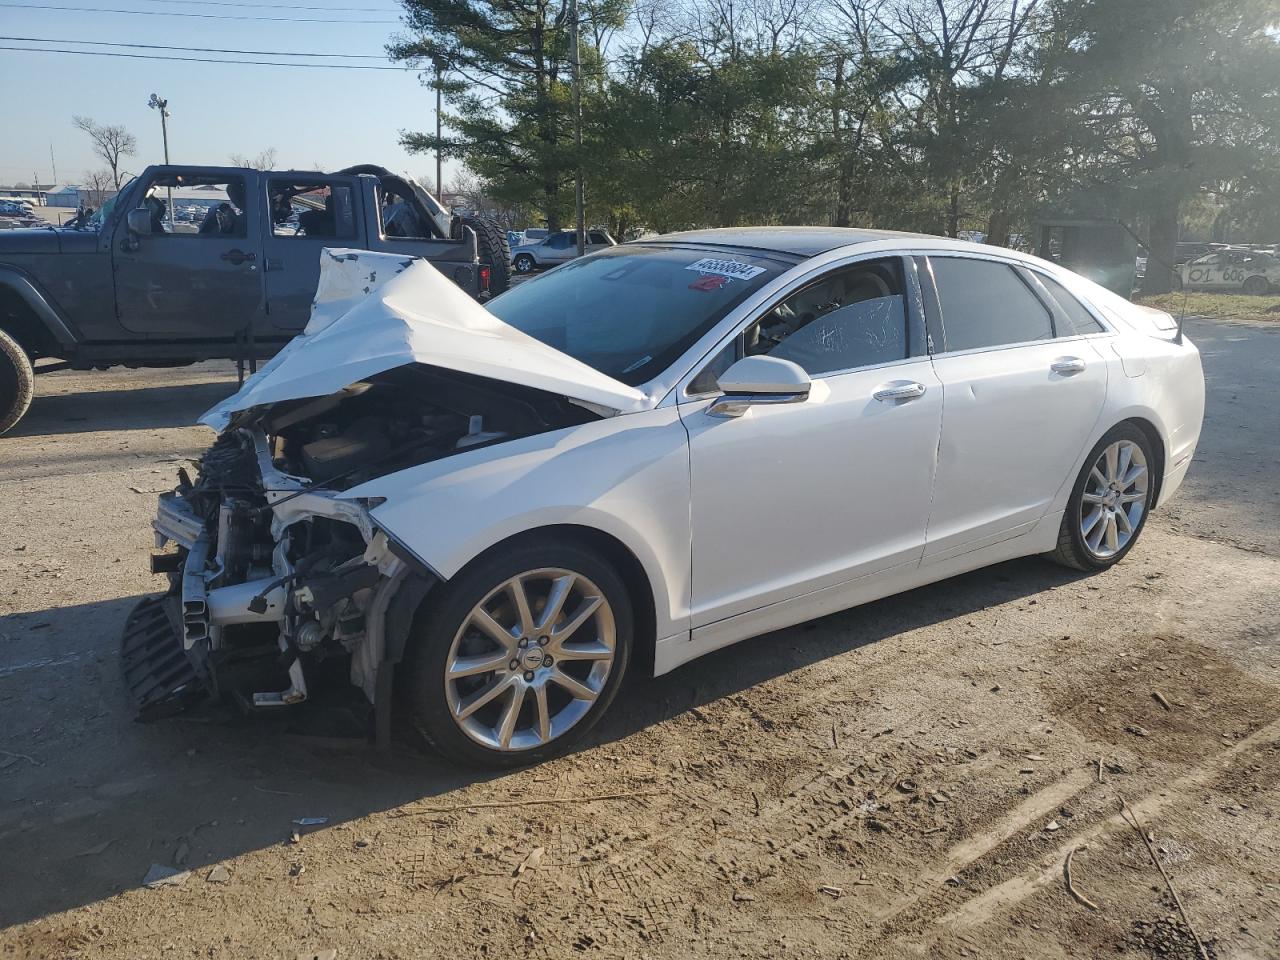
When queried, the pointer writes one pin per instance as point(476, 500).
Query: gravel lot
point(904, 779)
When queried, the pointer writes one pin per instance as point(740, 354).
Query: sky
point(331, 118)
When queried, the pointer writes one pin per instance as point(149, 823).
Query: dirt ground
point(904, 779)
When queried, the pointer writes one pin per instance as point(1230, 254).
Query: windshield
point(631, 311)
point(103, 213)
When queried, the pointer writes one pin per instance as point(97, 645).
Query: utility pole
point(53, 163)
point(439, 107)
point(156, 103)
point(576, 63)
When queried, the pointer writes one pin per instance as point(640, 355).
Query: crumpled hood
point(377, 311)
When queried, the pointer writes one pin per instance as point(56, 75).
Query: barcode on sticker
point(725, 268)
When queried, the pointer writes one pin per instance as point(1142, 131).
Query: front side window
point(631, 311)
point(1081, 320)
point(184, 205)
point(853, 317)
point(311, 208)
point(986, 304)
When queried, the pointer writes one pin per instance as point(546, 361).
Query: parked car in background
point(1233, 269)
point(232, 274)
point(557, 248)
point(643, 456)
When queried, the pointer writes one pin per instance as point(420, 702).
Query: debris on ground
point(161, 876)
point(218, 874)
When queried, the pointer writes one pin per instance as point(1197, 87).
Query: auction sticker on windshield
point(725, 268)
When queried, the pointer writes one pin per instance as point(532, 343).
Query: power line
point(274, 6)
point(152, 56)
point(202, 16)
point(160, 46)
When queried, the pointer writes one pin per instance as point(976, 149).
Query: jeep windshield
point(631, 311)
point(103, 213)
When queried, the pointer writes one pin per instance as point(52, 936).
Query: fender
point(620, 476)
point(21, 284)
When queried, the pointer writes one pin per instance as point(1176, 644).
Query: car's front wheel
point(524, 263)
point(1109, 502)
point(520, 654)
point(17, 382)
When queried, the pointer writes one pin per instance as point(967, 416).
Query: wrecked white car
point(643, 456)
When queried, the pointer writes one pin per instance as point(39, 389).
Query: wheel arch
point(624, 560)
point(28, 317)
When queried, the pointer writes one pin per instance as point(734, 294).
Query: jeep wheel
point(491, 240)
point(17, 382)
point(524, 263)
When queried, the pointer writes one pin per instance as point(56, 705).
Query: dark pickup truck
point(200, 263)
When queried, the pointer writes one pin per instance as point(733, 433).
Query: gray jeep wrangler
point(200, 263)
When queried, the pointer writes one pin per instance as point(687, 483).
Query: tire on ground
point(443, 614)
point(1071, 550)
point(17, 382)
point(494, 250)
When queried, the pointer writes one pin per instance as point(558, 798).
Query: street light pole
point(157, 103)
point(576, 64)
point(439, 64)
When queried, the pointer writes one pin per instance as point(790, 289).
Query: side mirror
point(139, 221)
point(759, 380)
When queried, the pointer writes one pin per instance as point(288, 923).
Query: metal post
point(576, 63)
point(439, 129)
point(158, 103)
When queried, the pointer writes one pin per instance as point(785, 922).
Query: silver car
point(556, 248)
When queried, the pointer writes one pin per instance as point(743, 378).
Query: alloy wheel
point(530, 659)
point(1114, 499)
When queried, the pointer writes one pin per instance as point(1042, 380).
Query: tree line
point(943, 116)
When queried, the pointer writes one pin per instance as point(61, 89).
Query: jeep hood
point(377, 311)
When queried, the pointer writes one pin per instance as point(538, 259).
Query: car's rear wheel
point(1109, 502)
point(1256, 286)
point(520, 655)
point(524, 263)
point(17, 382)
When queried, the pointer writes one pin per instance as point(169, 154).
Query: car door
point(305, 213)
point(1022, 392)
point(190, 279)
point(1207, 271)
point(793, 498)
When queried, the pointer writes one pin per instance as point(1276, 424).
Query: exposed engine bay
point(274, 576)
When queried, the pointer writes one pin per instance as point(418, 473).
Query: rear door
point(1022, 392)
point(303, 214)
point(196, 274)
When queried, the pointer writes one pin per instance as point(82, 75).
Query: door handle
point(901, 390)
point(237, 257)
point(1067, 366)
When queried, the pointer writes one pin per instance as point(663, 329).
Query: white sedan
point(1248, 271)
point(646, 455)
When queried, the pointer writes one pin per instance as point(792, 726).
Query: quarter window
point(986, 304)
point(853, 317)
point(1082, 321)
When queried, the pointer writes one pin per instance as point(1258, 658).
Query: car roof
point(795, 241)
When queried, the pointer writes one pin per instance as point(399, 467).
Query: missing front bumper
point(160, 679)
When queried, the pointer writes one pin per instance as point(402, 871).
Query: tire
point(1088, 493)
point(17, 382)
point(1256, 286)
point(525, 263)
point(446, 631)
point(494, 250)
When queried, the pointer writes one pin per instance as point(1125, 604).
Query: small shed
point(1102, 250)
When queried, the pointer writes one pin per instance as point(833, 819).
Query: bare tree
point(95, 186)
point(265, 160)
point(110, 142)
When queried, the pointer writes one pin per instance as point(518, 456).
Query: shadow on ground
point(116, 796)
point(136, 409)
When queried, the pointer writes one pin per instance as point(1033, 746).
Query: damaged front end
point(275, 576)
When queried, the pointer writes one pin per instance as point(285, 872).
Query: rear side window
point(1082, 321)
point(986, 304)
